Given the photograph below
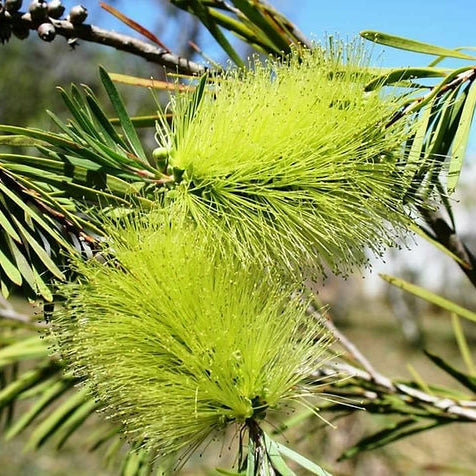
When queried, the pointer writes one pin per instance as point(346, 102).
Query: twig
point(446, 235)
point(7, 311)
point(13, 315)
point(352, 349)
point(116, 40)
point(463, 410)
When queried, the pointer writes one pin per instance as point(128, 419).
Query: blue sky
point(442, 22)
point(449, 23)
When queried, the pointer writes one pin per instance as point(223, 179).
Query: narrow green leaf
point(466, 380)
point(252, 12)
point(40, 163)
point(74, 421)
point(445, 200)
point(133, 461)
point(7, 226)
point(5, 289)
point(103, 121)
point(24, 382)
point(416, 154)
point(30, 213)
point(76, 110)
point(294, 420)
point(196, 98)
point(441, 58)
point(404, 74)
point(126, 124)
point(412, 45)
point(56, 419)
point(430, 297)
point(49, 396)
point(22, 264)
point(100, 436)
point(112, 451)
point(20, 141)
point(301, 460)
point(253, 36)
point(275, 458)
point(39, 251)
point(43, 289)
point(38, 390)
point(47, 137)
point(419, 379)
point(10, 269)
point(204, 16)
point(391, 433)
point(461, 139)
point(463, 345)
point(445, 123)
point(29, 348)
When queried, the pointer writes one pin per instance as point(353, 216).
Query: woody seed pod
point(55, 9)
point(5, 31)
point(47, 32)
point(38, 10)
point(13, 5)
point(78, 14)
point(20, 31)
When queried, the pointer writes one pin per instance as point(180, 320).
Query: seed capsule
point(55, 9)
point(5, 31)
point(13, 5)
point(38, 10)
point(47, 32)
point(78, 14)
point(21, 31)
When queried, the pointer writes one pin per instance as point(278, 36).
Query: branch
point(446, 235)
point(449, 408)
point(8, 312)
point(22, 21)
point(352, 349)
point(128, 44)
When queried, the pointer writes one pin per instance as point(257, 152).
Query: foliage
point(247, 155)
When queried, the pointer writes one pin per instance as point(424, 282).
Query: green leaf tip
point(413, 45)
point(178, 339)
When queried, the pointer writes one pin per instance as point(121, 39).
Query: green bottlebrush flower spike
point(294, 161)
point(177, 339)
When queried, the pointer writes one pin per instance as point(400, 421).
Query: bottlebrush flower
point(178, 339)
point(294, 161)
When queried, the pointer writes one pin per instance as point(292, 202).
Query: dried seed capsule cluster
point(40, 15)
